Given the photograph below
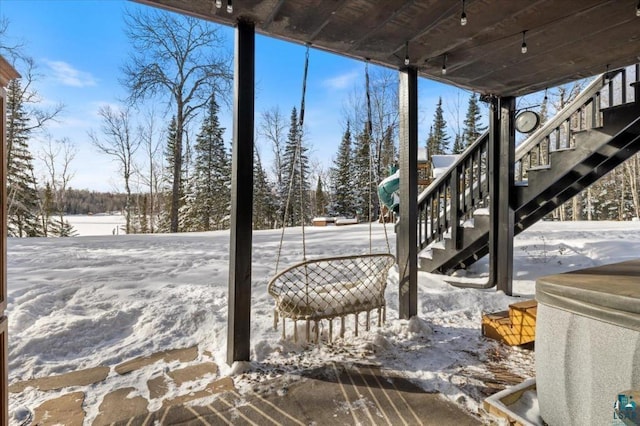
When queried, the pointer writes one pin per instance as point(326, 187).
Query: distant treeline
point(83, 201)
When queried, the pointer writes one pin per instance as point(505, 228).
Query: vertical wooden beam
point(4, 370)
point(7, 73)
point(4, 323)
point(407, 244)
point(239, 317)
point(454, 207)
point(501, 192)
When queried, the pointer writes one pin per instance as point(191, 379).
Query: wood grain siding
point(7, 73)
point(4, 371)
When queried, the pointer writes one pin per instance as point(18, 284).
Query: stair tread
point(543, 167)
point(564, 149)
point(515, 326)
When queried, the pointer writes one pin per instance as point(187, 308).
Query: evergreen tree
point(295, 186)
point(388, 153)
point(439, 136)
point(22, 194)
point(144, 215)
point(431, 145)
point(186, 216)
point(164, 220)
point(61, 228)
point(169, 153)
point(209, 198)
point(321, 199)
point(458, 147)
point(363, 192)
point(265, 205)
point(472, 123)
point(179, 57)
point(341, 178)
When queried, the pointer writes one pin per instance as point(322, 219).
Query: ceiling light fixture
point(463, 16)
point(444, 65)
point(638, 9)
point(523, 48)
point(218, 4)
point(406, 56)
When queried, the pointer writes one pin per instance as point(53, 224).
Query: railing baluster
point(596, 110)
point(468, 185)
point(463, 186)
point(420, 224)
point(482, 170)
point(474, 190)
point(454, 207)
point(636, 80)
point(623, 83)
point(436, 213)
point(432, 228)
point(610, 86)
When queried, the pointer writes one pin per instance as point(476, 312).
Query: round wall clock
point(527, 121)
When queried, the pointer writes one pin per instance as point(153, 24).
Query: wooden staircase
point(516, 326)
point(584, 141)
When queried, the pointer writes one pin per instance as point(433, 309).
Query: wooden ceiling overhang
point(566, 39)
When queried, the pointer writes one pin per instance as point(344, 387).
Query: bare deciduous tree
point(57, 157)
point(274, 129)
point(180, 57)
point(119, 142)
point(151, 174)
point(383, 96)
point(12, 50)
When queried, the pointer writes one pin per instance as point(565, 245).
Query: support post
point(239, 316)
point(406, 239)
point(7, 73)
point(501, 192)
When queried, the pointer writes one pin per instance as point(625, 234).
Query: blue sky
point(79, 46)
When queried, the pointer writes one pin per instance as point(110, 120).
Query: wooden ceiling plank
point(267, 22)
point(482, 56)
point(383, 22)
point(438, 40)
point(570, 49)
point(540, 38)
point(563, 72)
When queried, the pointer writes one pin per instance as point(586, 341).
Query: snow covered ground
point(98, 224)
point(98, 300)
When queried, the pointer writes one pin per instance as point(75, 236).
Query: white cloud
point(70, 76)
point(342, 81)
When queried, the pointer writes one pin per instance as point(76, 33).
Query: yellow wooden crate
point(517, 326)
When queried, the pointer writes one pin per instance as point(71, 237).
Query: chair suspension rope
point(369, 137)
point(299, 149)
point(296, 157)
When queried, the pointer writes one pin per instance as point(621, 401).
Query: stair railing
point(583, 113)
point(453, 197)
